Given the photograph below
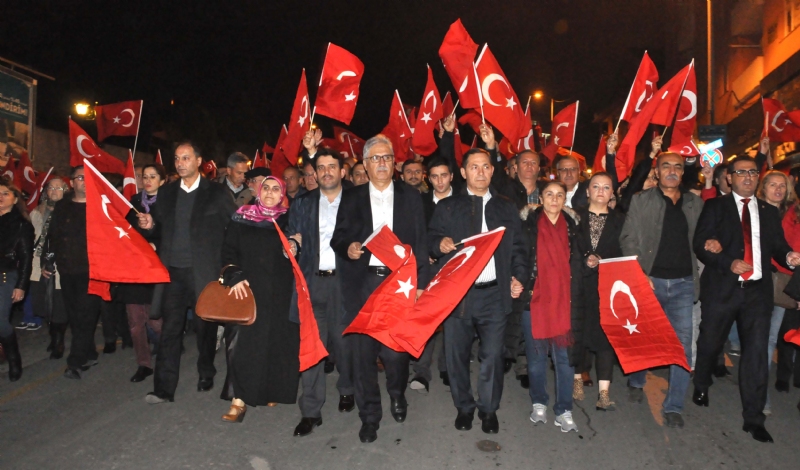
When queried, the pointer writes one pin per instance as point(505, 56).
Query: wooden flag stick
point(136, 140)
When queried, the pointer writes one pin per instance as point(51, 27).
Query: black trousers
point(788, 364)
point(115, 322)
point(604, 360)
point(82, 312)
point(179, 295)
point(366, 351)
point(751, 308)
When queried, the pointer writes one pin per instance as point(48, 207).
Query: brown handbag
point(779, 281)
point(217, 304)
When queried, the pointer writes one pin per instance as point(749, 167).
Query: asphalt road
point(103, 422)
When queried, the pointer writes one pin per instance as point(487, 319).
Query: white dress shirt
point(755, 231)
point(436, 199)
point(194, 185)
point(568, 203)
point(382, 204)
point(327, 222)
point(488, 274)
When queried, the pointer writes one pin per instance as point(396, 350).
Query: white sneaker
point(566, 422)
point(539, 413)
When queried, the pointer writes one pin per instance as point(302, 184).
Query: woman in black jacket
point(598, 238)
point(16, 258)
point(552, 298)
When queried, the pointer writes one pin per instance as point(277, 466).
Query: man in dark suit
point(363, 209)
point(312, 221)
point(569, 171)
point(485, 308)
point(736, 285)
point(190, 219)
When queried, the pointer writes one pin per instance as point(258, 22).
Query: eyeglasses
point(55, 189)
point(77, 178)
point(743, 173)
point(376, 158)
point(567, 170)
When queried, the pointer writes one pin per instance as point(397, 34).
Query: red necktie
point(748, 238)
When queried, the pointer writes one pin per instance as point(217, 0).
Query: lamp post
point(84, 110)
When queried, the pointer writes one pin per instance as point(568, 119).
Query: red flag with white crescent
point(82, 146)
point(445, 291)
point(389, 304)
point(311, 348)
point(350, 141)
point(398, 130)
point(430, 112)
point(457, 53)
point(642, 89)
point(299, 122)
point(25, 177)
point(129, 188)
point(686, 119)
point(10, 170)
point(338, 85)
point(500, 104)
point(782, 126)
point(117, 252)
point(41, 180)
point(120, 119)
point(633, 320)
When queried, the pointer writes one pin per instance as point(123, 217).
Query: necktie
point(748, 237)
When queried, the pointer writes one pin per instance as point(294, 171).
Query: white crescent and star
point(467, 252)
point(122, 233)
point(346, 73)
point(133, 116)
point(79, 143)
point(775, 120)
point(400, 251)
point(643, 97)
point(464, 84)
point(405, 287)
point(351, 96)
point(303, 104)
point(105, 202)
point(487, 82)
point(618, 287)
point(128, 181)
point(692, 97)
point(29, 174)
point(427, 97)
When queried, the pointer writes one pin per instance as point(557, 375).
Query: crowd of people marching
point(713, 240)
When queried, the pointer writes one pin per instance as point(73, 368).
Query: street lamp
point(537, 95)
point(82, 109)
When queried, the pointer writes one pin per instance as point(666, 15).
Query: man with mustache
point(659, 229)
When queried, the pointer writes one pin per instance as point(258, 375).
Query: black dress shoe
point(329, 366)
point(110, 348)
point(71, 373)
point(368, 432)
point(507, 365)
point(204, 385)
point(445, 378)
point(700, 398)
point(141, 374)
point(721, 371)
point(155, 398)
point(399, 409)
point(524, 381)
point(782, 386)
point(307, 426)
point(464, 421)
point(347, 403)
point(489, 423)
point(673, 420)
point(759, 433)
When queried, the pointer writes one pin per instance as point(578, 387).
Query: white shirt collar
point(336, 200)
point(485, 197)
point(194, 185)
point(436, 199)
point(739, 199)
point(375, 191)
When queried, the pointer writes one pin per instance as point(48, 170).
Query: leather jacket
point(16, 247)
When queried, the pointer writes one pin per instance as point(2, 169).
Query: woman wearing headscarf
point(263, 362)
point(16, 258)
point(552, 296)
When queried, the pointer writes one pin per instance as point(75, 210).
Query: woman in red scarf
point(547, 322)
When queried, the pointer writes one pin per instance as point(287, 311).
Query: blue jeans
point(536, 350)
point(27, 309)
point(733, 337)
point(676, 297)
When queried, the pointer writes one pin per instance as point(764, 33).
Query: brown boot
point(604, 403)
point(577, 389)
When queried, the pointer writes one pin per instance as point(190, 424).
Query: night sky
point(232, 68)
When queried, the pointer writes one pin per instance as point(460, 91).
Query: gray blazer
point(644, 223)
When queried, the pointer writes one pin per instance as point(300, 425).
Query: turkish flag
point(10, 170)
point(266, 149)
point(299, 122)
point(670, 101)
point(209, 169)
point(311, 348)
point(447, 105)
point(500, 104)
point(118, 119)
point(446, 290)
point(666, 97)
point(279, 161)
point(158, 158)
point(398, 130)
point(81, 147)
point(457, 53)
point(633, 320)
point(260, 161)
point(782, 126)
point(686, 119)
point(473, 119)
point(430, 112)
point(389, 304)
point(564, 124)
point(599, 164)
point(642, 90)
point(505, 148)
point(117, 252)
point(349, 140)
point(24, 176)
point(129, 188)
point(41, 180)
point(338, 85)
point(529, 141)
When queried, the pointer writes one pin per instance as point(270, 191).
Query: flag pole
point(138, 125)
point(480, 93)
point(311, 122)
point(454, 107)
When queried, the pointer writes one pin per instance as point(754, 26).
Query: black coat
point(608, 246)
point(16, 247)
point(531, 230)
point(461, 216)
point(265, 359)
point(354, 224)
point(211, 214)
point(720, 221)
point(66, 237)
